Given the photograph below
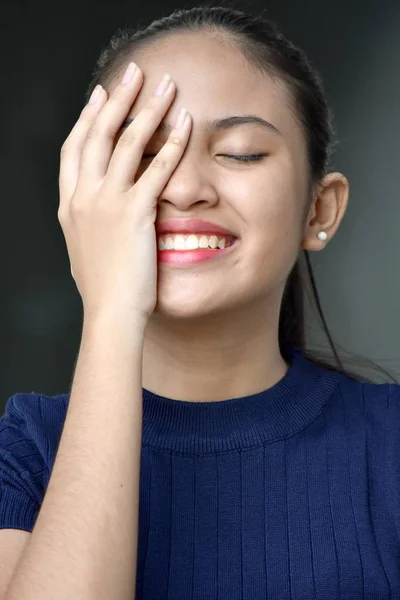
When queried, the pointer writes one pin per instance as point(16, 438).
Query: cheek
point(269, 207)
point(282, 199)
point(266, 201)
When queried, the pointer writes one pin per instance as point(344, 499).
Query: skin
point(214, 333)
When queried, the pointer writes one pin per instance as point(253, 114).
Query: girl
point(201, 452)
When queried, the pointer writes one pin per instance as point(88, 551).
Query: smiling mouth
point(187, 257)
point(179, 242)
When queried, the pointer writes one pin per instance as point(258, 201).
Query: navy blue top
point(292, 493)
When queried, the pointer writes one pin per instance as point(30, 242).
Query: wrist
point(114, 325)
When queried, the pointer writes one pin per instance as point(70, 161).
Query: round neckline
point(201, 428)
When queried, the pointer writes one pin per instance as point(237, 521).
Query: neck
point(212, 358)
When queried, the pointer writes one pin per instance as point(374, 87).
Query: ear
point(326, 211)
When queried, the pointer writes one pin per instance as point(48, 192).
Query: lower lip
point(192, 257)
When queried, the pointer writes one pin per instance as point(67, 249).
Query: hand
point(107, 218)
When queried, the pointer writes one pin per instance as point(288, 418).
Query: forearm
point(84, 543)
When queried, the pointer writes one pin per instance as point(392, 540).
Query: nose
point(189, 184)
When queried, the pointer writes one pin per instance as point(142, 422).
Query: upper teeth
point(172, 241)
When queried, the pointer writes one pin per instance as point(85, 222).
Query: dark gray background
point(48, 51)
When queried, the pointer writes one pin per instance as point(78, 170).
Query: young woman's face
point(260, 202)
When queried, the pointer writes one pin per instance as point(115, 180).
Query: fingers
point(100, 138)
point(89, 155)
point(154, 179)
point(128, 152)
point(72, 148)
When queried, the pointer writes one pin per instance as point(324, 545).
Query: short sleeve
point(29, 434)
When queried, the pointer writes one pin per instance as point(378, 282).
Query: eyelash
point(246, 158)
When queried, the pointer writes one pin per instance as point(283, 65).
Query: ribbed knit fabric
point(289, 494)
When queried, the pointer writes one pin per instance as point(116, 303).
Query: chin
point(191, 297)
point(189, 308)
point(182, 309)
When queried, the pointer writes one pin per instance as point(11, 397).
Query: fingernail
point(129, 73)
point(95, 94)
point(163, 85)
point(181, 118)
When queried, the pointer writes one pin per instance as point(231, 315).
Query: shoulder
point(30, 429)
point(384, 395)
point(365, 389)
point(371, 402)
point(374, 392)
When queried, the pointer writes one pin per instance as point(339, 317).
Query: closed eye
point(237, 157)
point(245, 157)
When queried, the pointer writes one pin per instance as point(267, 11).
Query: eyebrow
point(213, 126)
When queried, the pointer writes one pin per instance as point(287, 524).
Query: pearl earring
point(322, 235)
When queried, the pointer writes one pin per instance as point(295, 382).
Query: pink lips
point(187, 226)
point(191, 257)
point(192, 226)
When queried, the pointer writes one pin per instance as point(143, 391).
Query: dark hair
point(266, 49)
